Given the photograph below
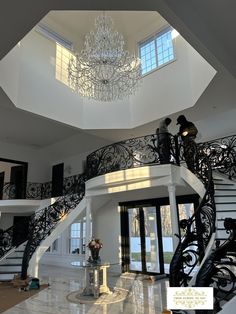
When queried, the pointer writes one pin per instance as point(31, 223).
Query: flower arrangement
point(95, 244)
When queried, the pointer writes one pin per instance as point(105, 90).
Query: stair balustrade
point(44, 221)
point(6, 241)
point(198, 229)
point(219, 269)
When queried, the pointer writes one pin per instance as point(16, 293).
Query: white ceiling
point(74, 25)
point(202, 24)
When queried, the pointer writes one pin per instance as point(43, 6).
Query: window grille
point(156, 51)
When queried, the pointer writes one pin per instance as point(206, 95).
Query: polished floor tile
point(144, 296)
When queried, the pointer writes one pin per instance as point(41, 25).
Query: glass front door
point(145, 240)
point(146, 233)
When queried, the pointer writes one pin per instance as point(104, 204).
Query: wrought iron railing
point(222, 154)
point(138, 152)
point(37, 191)
point(6, 244)
point(219, 269)
point(135, 152)
point(44, 221)
point(13, 236)
point(197, 229)
point(144, 150)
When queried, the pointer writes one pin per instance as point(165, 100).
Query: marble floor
point(145, 296)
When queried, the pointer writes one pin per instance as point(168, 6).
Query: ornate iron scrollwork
point(141, 151)
point(6, 237)
point(44, 221)
point(197, 229)
point(219, 268)
point(127, 154)
point(222, 154)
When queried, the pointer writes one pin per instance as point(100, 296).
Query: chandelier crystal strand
point(103, 70)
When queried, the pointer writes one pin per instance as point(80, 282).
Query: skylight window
point(63, 57)
point(156, 51)
point(63, 52)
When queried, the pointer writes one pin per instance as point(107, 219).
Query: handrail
point(138, 152)
point(45, 220)
point(222, 154)
point(218, 270)
point(198, 229)
point(36, 190)
point(7, 239)
point(135, 152)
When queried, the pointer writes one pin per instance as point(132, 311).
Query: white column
point(174, 215)
point(88, 225)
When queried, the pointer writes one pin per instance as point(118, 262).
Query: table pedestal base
point(96, 280)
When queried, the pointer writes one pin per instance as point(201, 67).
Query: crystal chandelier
point(103, 70)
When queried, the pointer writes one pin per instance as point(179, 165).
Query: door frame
point(25, 165)
point(124, 219)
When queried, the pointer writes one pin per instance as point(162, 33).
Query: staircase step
point(17, 254)
point(222, 234)
point(225, 206)
point(13, 260)
point(225, 199)
point(222, 214)
point(226, 211)
point(10, 268)
point(10, 272)
point(224, 184)
point(225, 195)
point(222, 192)
point(5, 265)
point(7, 277)
point(225, 203)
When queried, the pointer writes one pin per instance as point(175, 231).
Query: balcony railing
point(37, 191)
point(131, 153)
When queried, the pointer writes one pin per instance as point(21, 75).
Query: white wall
point(172, 88)
point(68, 151)
point(106, 227)
point(10, 72)
point(38, 166)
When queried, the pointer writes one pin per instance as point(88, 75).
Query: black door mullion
point(159, 239)
point(142, 239)
point(125, 246)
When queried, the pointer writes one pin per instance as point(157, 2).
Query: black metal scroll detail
point(127, 154)
point(38, 191)
point(9, 191)
point(219, 268)
point(222, 154)
point(44, 221)
point(198, 229)
point(34, 191)
point(6, 237)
